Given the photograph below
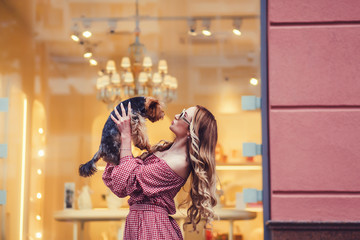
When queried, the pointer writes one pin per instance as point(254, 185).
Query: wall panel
point(314, 65)
point(313, 11)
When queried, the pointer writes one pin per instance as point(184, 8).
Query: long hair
point(203, 135)
point(201, 152)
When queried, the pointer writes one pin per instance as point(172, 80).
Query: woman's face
point(181, 123)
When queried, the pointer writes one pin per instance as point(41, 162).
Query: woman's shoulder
point(179, 164)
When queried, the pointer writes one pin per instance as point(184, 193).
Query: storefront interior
point(56, 110)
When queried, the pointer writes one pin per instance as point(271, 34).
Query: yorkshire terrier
point(142, 108)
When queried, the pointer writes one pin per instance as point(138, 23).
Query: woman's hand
point(123, 122)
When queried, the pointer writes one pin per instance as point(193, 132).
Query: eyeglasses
point(182, 116)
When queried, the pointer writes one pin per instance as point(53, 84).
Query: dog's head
point(153, 109)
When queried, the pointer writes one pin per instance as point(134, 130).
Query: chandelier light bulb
point(254, 81)
point(156, 78)
point(125, 62)
point(167, 80)
point(174, 84)
point(143, 77)
point(93, 62)
point(75, 38)
point(115, 78)
point(38, 217)
point(38, 195)
point(87, 34)
point(39, 172)
point(163, 66)
point(102, 81)
point(38, 235)
point(110, 66)
point(129, 77)
point(106, 80)
point(147, 63)
point(41, 130)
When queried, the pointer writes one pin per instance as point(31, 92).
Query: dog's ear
point(154, 109)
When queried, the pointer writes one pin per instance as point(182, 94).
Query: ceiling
point(52, 21)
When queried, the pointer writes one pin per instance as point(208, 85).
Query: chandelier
point(136, 76)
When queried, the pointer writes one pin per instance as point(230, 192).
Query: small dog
point(142, 107)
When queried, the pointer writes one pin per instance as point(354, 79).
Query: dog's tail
point(89, 168)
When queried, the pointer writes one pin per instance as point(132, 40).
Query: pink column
point(314, 115)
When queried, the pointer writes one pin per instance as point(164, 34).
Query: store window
point(59, 87)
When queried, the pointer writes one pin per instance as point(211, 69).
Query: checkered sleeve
point(132, 176)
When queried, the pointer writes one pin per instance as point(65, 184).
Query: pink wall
point(314, 117)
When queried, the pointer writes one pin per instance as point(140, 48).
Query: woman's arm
point(123, 124)
point(131, 176)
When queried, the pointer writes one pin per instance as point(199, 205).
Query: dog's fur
point(142, 107)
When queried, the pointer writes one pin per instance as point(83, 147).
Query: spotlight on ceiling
point(206, 27)
point(112, 26)
point(254, 81)
point(236, 27)
point(88, 53)
point(93, 62)
point(86, 33)
point(75, 33)
point(192, 27)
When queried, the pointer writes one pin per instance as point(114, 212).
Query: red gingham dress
point(152, 186)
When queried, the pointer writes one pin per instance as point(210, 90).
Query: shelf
point(120, 214)
point(239, 167)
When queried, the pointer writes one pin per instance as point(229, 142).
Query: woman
point(153, 180)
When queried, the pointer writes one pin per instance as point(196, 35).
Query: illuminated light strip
point(238, 167)
point(22, 191)
point(222, 167)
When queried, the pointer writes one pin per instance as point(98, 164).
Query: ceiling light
point(206, 28)
point(192, 27)
point(93, 62)
point(112, 26)
point(87, 34)
point(236, 27)
point(254, 81)
point(137, 76)
point(41, 153)
point(38, 195)
point(88, 53)
point(75, 33)
point(75, 38)
point(206, 32)
point(236, 32)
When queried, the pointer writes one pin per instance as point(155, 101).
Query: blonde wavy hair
point(201, 152)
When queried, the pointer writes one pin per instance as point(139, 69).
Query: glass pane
point(61, 88)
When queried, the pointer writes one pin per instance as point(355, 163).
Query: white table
point(82, 216)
